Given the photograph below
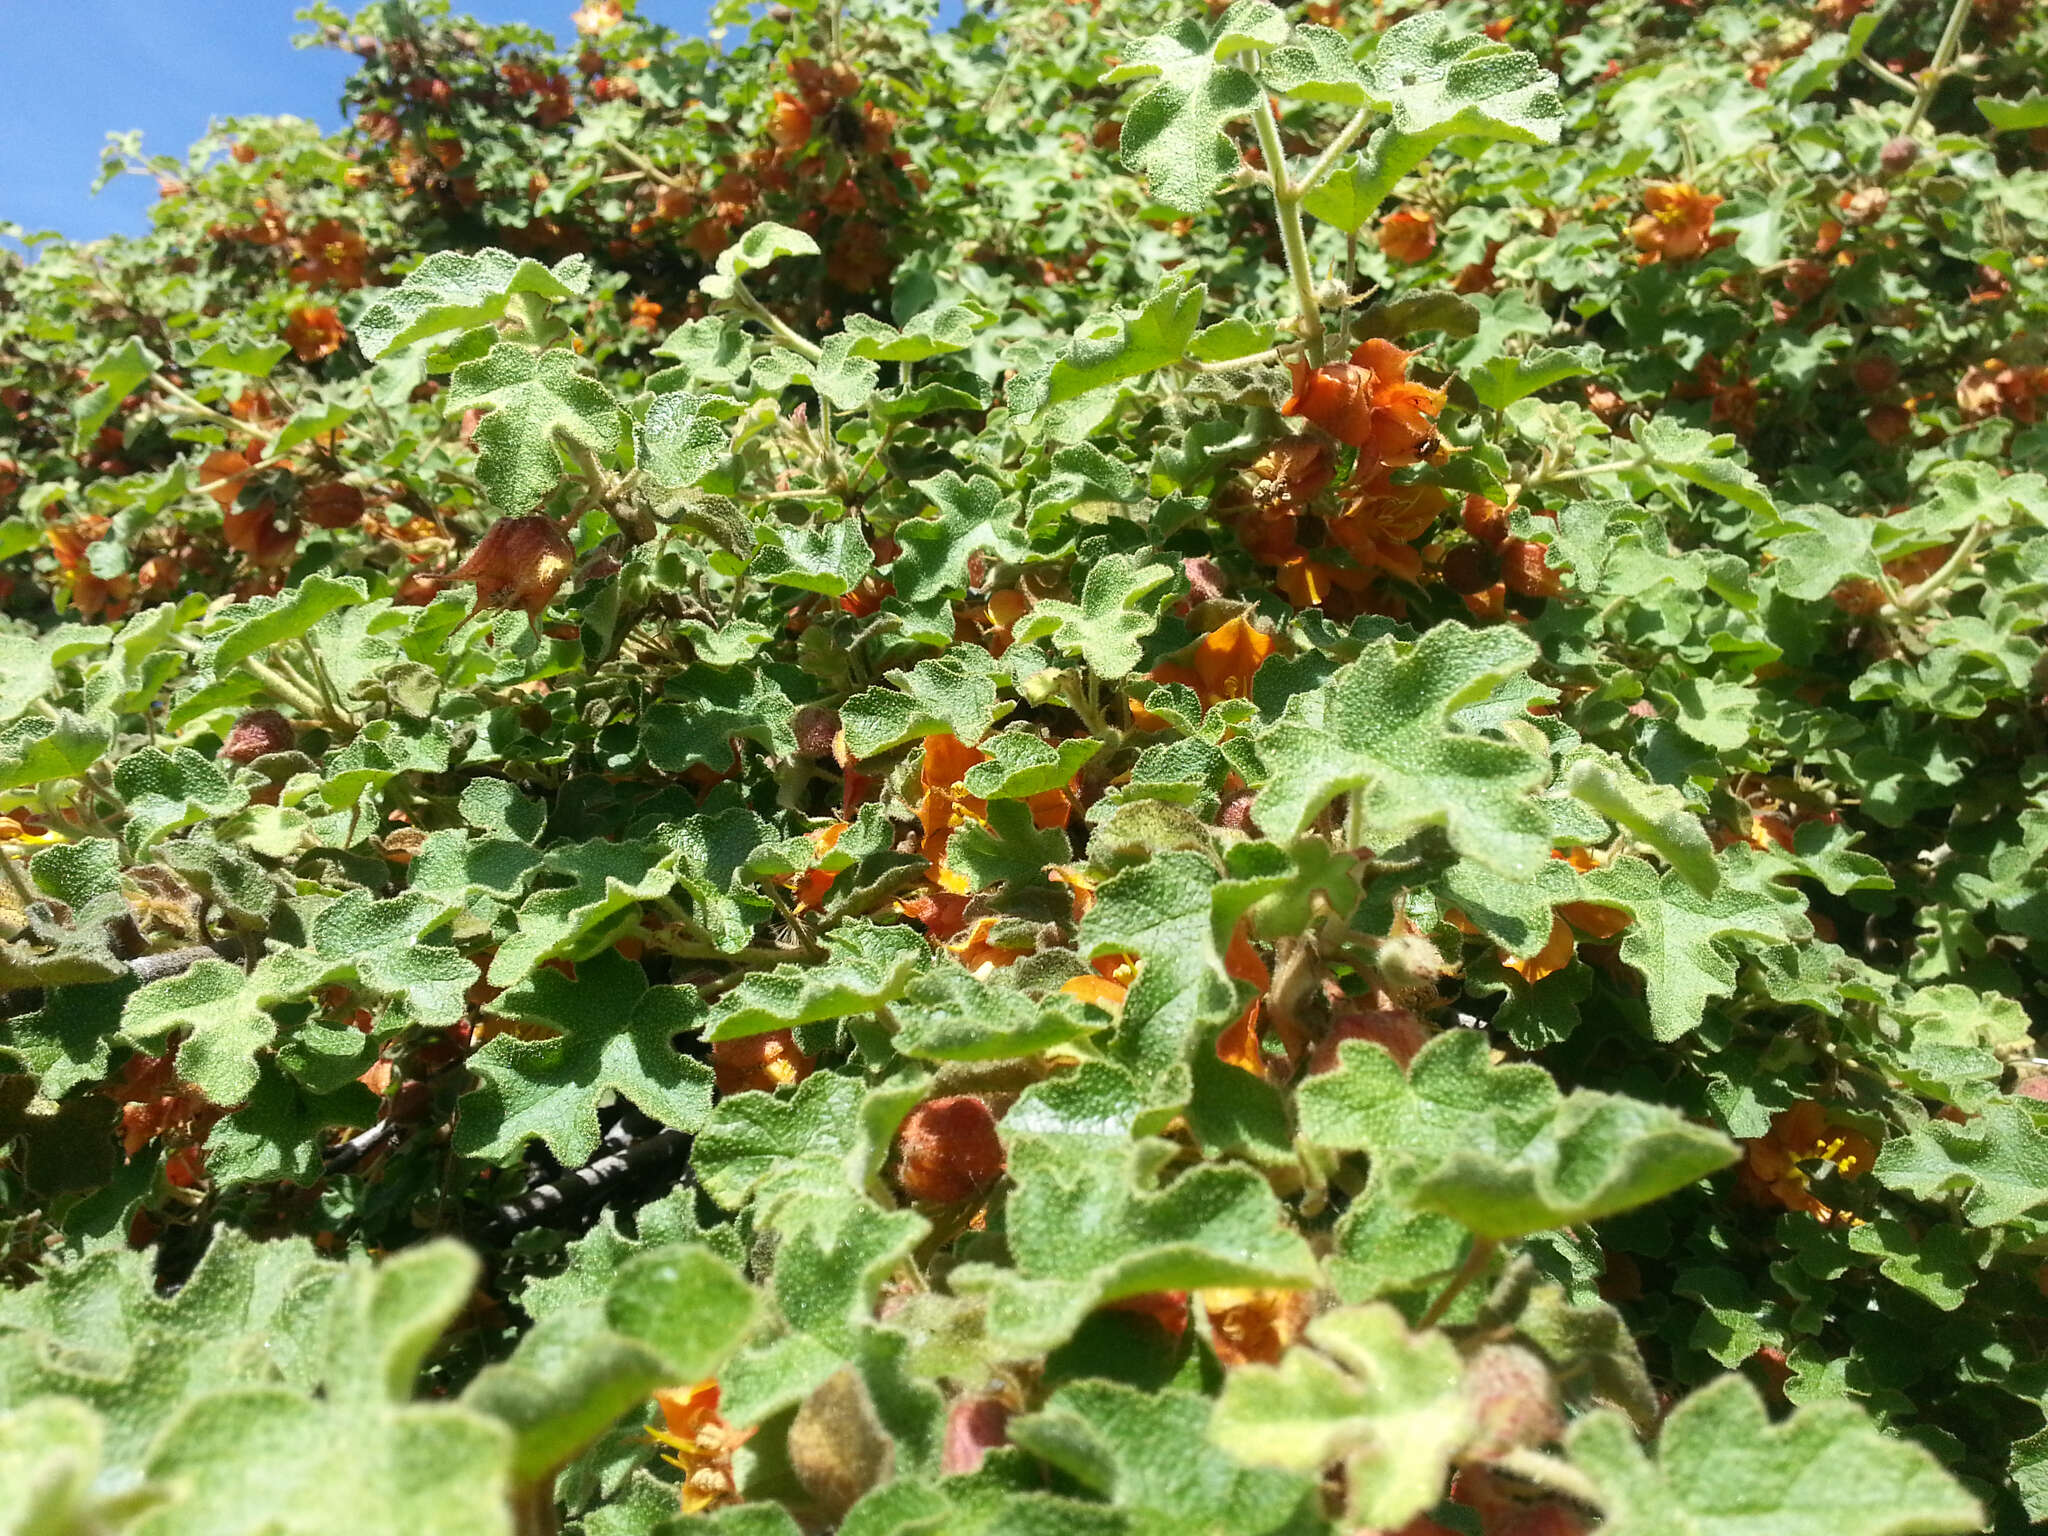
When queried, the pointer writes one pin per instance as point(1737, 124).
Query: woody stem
point(1287, 204)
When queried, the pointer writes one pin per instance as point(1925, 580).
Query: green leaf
point(114, 378)
point(605, 880)
point(757, 248)
point(1655, 814)
point(1174, 130)
point(865, 967)
point(974, 517)
point(1498, 1149)
point(1997, 1162)
point(1147, 1454)
point(49, 1462)
point(1678, 937)
point(1707, 461)
point(1387, 1405)
point(616, 1036)
point(2030, 111)
point(451, 292)
point(949, 1014)
point(1087, 1224)
point(954, 693)
point(935, 332)
point(678, 445)
point(225, 1011)
point(1107, 627)
point(1011, 847)
point(168, 790)
point(1382, 726)
point(1724, 1469)
point(535, 400)
point(267, 621)
point(829, 560)
point(1021, 764)
point(257, 1461)
point(35, 750)
point(1501, 381)
point(1439, 84)
point(1069, 395)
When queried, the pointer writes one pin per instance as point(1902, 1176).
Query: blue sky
point(76, 69)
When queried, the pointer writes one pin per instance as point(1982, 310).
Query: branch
point(592, 1179)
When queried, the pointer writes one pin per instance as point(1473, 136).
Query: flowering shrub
point(1120, 769)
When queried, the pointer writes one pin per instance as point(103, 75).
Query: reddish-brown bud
point(521, 563)
point(1525, 567)
point(258, 734)
point(1898, 155)
point(1485, 521)
point(948, 1151)
point(974, 1427)
point(333, 505)
point(1513, 1400)
point(1471, 568)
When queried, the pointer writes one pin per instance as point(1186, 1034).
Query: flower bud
point(837, 1447)
point(947, 1151)
point(258, 733)
point(1513, 1400)
point(333, 505)
point(1898, 154)
point(521, 563)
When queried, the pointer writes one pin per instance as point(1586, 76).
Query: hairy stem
point(1937, 71)
point(1287, 205)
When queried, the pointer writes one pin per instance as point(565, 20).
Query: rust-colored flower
point(1254, 1326)
point(258, 733)
point(331, 253)
point(758, 1063)
point(700, 1445)
point(1407, 236)
point(1381, 520)
point(859, 258)
point(521, 563)
point(1782, 1164)
point(260, 531)
point(1369, 403)
point(1222, 663)
point(222, 474)
point(646, 314)
point(314, 332)
point(1679, 223)
point(789, 122)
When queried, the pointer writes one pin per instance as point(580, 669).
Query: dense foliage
point(1106, 771)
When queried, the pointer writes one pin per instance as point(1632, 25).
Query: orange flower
point(1239, 1044)
point(1554, 956)
point(1254, 1327)
point(1775, 1165)
point(521, 563)
point(945, 805)
point(978, 948)
point(813, 883)
point(314, 333)
point(222, 474)
point(700, 1444)
point(1679, 224)
point(597, 17)
point(1369, 403)
point(1222, 663)
point(1407, 236)
point(1099, 990)
point(758, 1063)
point(333, 253)
point(1380, 521)
point(789, 122)
point(646, 314)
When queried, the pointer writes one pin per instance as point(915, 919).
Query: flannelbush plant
point(1111, 770)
